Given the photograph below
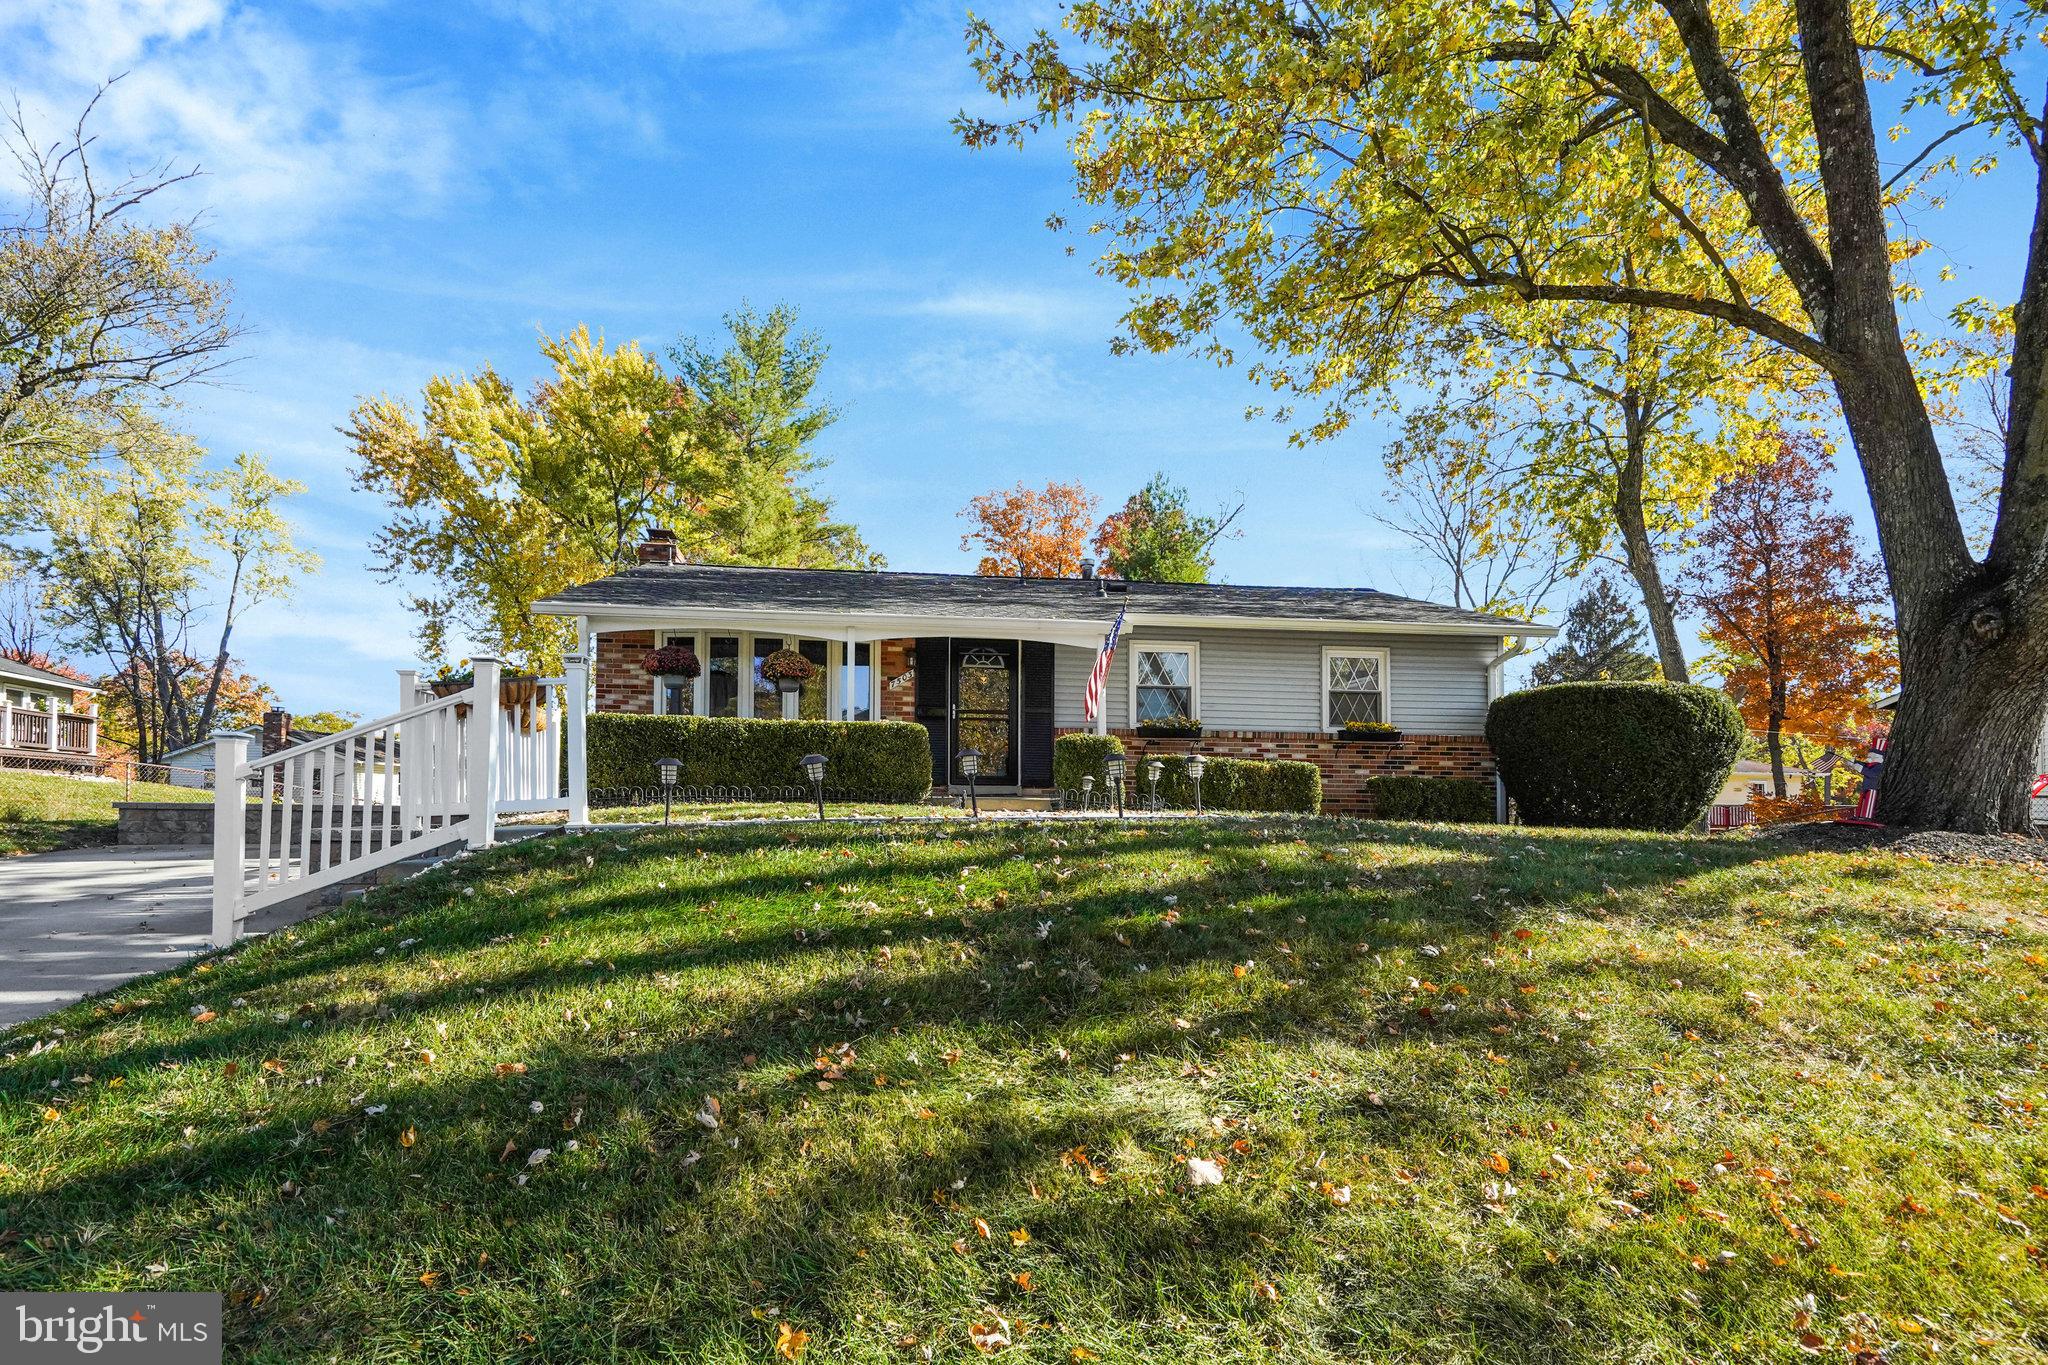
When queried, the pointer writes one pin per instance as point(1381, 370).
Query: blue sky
point(400, 189)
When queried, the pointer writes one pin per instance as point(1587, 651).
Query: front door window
point(984, 700)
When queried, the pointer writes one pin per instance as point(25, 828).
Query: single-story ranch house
point(1001, 664)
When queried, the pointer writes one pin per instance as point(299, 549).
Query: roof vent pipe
point(1087, 568)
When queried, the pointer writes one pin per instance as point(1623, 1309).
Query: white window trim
point(699, 642)
point(1187, 647)
point(1354, 652)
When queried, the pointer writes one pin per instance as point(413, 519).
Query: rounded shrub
point(1077, 755)
point(1614, 755)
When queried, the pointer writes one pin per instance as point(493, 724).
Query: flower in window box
point(673, 661)
point(1379, 730)
point(1171, 727)
point(787, 669)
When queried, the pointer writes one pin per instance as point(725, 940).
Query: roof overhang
point(25, 673)
point(838, 624)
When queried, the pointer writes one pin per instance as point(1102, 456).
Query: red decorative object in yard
point(674, 661)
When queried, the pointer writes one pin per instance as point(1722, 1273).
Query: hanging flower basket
point(788, 670)
point(673, 661)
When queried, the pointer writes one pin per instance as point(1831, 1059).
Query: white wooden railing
point(437, 771)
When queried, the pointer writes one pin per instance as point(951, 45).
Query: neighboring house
point(41, 722)
point(1749, 778)
point(192, 766)
point(1001, 664)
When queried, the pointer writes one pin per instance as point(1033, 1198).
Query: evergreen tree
point(1603, 641)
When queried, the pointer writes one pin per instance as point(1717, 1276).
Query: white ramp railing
point(437, 770)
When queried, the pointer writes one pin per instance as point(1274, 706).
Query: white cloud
point(290, 134)
point(1028, 309)
point(680, 26)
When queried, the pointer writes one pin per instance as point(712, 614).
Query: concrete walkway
point(85, 920)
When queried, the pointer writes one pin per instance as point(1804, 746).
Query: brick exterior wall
point(618, 679)
point(1347, 764)
point(892, 657)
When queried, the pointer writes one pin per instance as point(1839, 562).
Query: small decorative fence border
point(796, 793)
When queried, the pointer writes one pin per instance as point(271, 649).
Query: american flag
point(1092, 703)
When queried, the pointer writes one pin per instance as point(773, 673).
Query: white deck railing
point(438, 770)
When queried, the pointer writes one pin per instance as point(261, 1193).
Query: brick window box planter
point(1382, 737)
point(1169, 731)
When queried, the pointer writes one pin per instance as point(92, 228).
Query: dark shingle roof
point(10, 668)
point(875, 592)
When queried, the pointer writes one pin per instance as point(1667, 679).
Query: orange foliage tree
point(1794, 607)
point(1030, 532)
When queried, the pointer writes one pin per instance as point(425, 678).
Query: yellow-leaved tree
point(497, 500)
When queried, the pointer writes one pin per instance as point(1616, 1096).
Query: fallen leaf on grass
point(408, 1137)
point(990, 1337)
point(1202, 1171)
point(790, 1341)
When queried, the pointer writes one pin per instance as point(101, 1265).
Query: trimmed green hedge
point(1076, 756)
point(878, 760)
point(1238, 784)
point(1467, 800)
point(1615, 755)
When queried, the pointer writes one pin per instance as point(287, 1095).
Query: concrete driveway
point(85, 920)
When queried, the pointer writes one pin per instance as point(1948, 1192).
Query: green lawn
point(1523, 1095)
point(41, 811)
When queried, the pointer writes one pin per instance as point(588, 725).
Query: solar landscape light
point(970, 768)
point(1153, 769)
point(1087, 790)
point(814, 768)
point(668, 769)
point(1196, 766)
point(1113, 771)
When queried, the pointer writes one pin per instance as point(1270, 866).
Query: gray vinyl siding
point(1269, 679)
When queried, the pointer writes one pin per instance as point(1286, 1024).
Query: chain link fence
point(126, 771)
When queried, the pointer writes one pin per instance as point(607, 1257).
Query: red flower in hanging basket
point(674, 661)
point(786, 665)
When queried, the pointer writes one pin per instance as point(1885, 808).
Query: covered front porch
point(991, 690)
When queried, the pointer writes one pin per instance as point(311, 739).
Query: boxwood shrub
point(1079, 755)
point(875, 760)
point(1465, 799)
point(1237, 784)
point(1615, 755)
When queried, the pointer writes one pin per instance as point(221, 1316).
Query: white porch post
point(56, 716)
point(483, 752)
point(573, 703)
point(229, 828)
point(846, 676)
point(92, 730)
point(408, 688)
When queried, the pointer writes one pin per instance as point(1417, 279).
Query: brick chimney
point(277, 729)
point(659, 547)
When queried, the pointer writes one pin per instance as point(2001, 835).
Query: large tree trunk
point(1638, 551)
point(1973, 647)
point(1774, 741)
point(1973, 638)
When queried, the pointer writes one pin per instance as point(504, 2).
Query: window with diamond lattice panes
point(1355, 687)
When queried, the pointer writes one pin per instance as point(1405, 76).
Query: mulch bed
point(1935, 845)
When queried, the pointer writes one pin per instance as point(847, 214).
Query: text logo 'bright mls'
point(165, 1329)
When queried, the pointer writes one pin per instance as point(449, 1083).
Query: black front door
point(984, 708)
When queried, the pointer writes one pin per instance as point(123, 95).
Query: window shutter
point(932, 698)
point(1036, 724)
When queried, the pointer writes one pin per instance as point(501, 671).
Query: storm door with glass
point(985, 707)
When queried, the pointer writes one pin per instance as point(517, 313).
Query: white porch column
point(408, 688)
point(56, 716)
point(230, 824)
point(846, 675)
point(483, 752)
point(573, 705)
